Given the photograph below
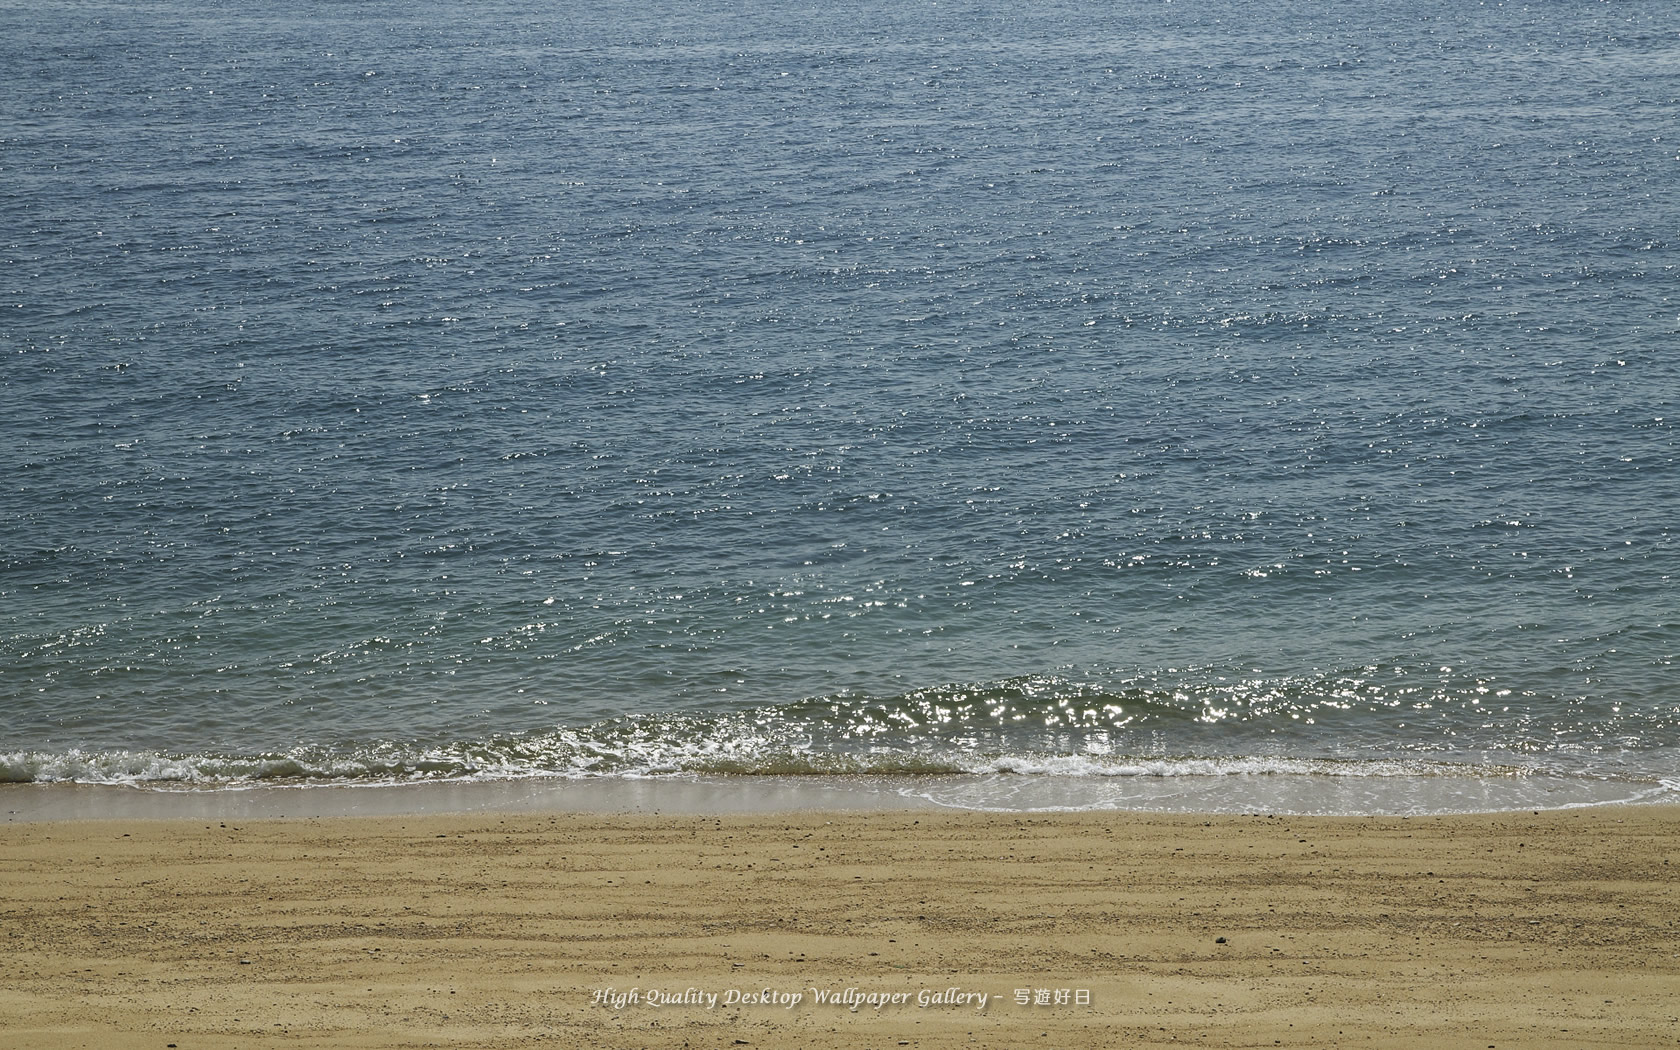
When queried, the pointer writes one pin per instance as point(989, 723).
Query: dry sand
point(1510, 930)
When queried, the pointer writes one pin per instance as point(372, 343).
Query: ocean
point(1068, 404)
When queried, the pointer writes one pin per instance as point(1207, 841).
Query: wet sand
point(636, 930)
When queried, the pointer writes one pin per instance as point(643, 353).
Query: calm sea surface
point(1097, 395)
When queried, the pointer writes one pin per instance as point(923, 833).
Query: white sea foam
point(393, 765)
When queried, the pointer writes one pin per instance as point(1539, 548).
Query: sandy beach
point(836, 929)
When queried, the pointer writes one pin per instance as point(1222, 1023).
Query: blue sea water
point(1073, 394)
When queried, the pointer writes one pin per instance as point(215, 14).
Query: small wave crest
point(1187, 724)
point(549, 759)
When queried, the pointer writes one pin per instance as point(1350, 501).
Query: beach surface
point(822, 928)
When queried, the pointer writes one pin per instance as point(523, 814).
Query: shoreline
point(699, 794)
point(507, 929)
point(29, 803)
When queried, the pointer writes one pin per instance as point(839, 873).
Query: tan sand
point(1548, 930)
